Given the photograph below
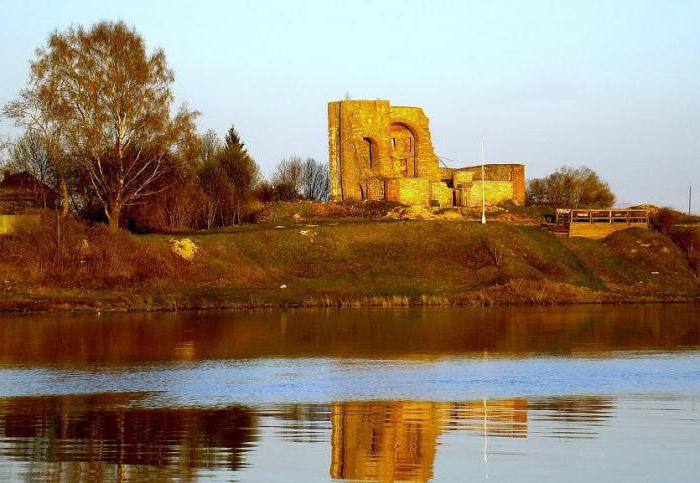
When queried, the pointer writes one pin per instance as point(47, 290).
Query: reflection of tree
point(299, 423)
point(95, 430)
point(507, 417)
point(430, 333)
point(579, 416)
point(582, 409)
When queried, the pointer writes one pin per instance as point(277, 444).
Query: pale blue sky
point(611, 84)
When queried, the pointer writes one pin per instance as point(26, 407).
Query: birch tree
point(111, 102)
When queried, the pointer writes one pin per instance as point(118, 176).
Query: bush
point(688, 240)
point(265, 192)
point(285, 192)
point(74, 253)
point(570, 188)
point(664, 219)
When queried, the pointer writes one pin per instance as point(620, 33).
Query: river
point(575, 393)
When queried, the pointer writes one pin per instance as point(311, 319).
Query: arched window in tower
point(403, 142)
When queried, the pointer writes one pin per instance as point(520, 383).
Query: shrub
point(664, 219)
point(571, 188)
point(265, 192)
point(688, 240)
point(285, 191)
point(74, 253)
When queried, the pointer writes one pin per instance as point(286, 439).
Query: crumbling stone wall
point(371, 139)
point(441, 196)
point(378, 151)
point(495, 192)
point(409, 191)
point(504, 182)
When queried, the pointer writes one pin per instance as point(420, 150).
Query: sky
point(613, 85)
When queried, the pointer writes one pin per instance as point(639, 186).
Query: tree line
point(99, 127)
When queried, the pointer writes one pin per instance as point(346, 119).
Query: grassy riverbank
point(343, 263)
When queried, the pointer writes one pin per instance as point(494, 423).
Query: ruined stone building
point(20, 196)
point(20, 192)
point(383, 152)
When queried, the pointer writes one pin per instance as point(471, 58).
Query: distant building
point(21, 194)
point(383, 152)
point(22, 191)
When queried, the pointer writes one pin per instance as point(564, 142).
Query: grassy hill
point(344, 263)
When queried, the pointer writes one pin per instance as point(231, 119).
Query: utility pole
point(483, 185)
point(690, 198)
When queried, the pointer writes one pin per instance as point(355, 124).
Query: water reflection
point(106, 436)
point(228, 395)
point(106, 429)
point(390, 441)
point(423, 334)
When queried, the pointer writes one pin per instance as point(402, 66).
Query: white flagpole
point(483, 186)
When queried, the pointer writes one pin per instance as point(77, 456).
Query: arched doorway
point(403, 150)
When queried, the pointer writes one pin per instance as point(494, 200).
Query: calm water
point(572, 394)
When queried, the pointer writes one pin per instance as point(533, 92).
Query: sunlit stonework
point(382, 152)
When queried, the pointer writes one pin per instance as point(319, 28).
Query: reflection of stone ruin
point(397, 440)
point(383, 152)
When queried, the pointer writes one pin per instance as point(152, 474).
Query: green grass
point(528, 210)
point(430, 258)
point(396, 263)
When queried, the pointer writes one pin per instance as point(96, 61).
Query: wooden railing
point(567, 216)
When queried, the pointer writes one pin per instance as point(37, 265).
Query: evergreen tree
point(233, 140)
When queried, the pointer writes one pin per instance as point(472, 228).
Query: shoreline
point(24, 306)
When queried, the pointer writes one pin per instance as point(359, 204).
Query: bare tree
point(30, 113)
point(315, 181)
point(110, 102)
point(28, 154)
point(290, 172)
point(295, 177)
point(4, 147)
